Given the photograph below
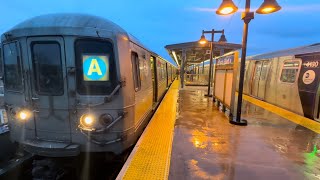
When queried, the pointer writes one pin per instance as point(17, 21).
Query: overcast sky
point(162, 22)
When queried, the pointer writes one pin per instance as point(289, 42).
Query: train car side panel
point(308, 84)
point(162, 81)
point(286, 91)
point(143, 86)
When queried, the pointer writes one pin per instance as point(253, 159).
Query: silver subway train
point(79, 83)
point(287, 78)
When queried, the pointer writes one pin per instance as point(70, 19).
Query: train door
point(154, 78)
point(259, 80)
point(263, 79)
point(171, 69)
point(255, 78)
point(167, 75)
point(48, 88)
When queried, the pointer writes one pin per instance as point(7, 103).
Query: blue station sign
point(226, 60)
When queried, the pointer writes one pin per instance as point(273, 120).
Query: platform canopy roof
point(197, 53)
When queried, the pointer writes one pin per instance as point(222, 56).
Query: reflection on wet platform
point(206, 146)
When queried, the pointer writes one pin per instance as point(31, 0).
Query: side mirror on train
point(1, 78)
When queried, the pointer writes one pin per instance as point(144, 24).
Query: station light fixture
point(175, 58)
point(203, 39)
point(268, 6)
point(227, 7)
point(222, 39)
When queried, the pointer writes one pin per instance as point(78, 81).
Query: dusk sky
point(163, 22)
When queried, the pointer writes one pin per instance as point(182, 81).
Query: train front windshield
point(12, 67)
point(96, 73)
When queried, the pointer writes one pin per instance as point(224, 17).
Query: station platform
point(189, 138)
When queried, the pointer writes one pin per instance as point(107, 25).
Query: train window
point(163, 71)
point(264, 70)
point(96, 72)
point(136, 71)
point(257, 70)
point(47, 66)
point(289, 71)
point(158, 64)
point(12, 67)
point(151, 65)
point(1, 74)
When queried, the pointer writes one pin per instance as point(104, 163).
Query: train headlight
point(87, 120)
point(106, 119)
point(24, 114)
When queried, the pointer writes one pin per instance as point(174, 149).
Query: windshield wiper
point(108, 98)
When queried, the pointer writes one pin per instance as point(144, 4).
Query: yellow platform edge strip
point(303, 121)
point(150, 158)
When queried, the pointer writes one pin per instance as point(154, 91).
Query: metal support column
point(203, 67)
point(210, 67)
point(183, 62)
point(247, 16)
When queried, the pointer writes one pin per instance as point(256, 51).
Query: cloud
point(309, 8)
point(301, 33)
point(202, 9)
point(210, 10)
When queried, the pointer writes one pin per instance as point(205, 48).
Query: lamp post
point(228, 7)
point(202, 41)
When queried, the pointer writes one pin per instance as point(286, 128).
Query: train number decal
point(311, 64)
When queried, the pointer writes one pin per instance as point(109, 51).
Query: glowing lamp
point(268, 6)
point(203, 40)
point(227, 7)
point(87, 120)
point(24, 114)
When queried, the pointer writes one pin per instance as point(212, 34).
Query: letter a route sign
point(95, 68)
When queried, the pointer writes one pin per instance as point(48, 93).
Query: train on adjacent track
point(77, 84)
point(288, 79)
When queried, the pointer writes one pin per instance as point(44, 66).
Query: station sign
point(225, 79)
point(95, 67)
point(225, 62)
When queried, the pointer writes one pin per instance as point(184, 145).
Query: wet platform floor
point(207, 146)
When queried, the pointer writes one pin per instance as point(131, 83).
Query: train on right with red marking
point(287, 78)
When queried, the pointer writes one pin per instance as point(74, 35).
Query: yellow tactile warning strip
point(303, 121)
point(150, 158)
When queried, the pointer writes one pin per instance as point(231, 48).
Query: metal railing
point(196, 79)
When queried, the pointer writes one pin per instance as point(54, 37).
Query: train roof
point(64, 24)
point(69, 24)
point(164, 59)
point(313, 48)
